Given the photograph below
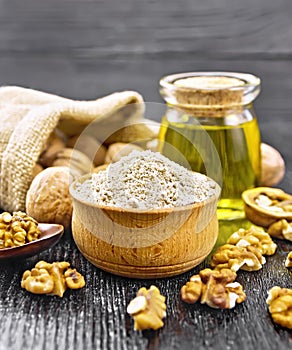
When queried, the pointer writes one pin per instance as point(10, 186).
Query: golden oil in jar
point(213, 128)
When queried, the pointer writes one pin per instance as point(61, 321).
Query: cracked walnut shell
point(147, 309)
point(235, 258)
point(217, 289)
point(254, 236)
point(264, 205)
point(280, 306)
point(17, 229)
point(52, 279)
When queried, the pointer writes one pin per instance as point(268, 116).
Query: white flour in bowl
point(145, 180)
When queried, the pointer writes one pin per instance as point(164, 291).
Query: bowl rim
point(213, 198)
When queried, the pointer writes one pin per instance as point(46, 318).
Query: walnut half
point(232, 257)
point(217, 289)
point(281, 229)
point(280, 306)
point(52, 279)
point(147, 309)
point(254, 236)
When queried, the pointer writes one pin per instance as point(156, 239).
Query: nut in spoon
point(49, 236)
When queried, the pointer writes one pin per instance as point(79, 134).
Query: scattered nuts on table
point(51, 279)
point(288, 262)
point(17, 229)
point(234, 258)
point(254, 236)
point(217, 289)
point(280, 306)
point(281, 229)
point(147, 309)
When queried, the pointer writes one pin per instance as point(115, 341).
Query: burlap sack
point(28, 117)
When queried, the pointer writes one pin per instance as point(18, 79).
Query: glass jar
point(210, 124)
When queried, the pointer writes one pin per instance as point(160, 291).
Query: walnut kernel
point(52, 279)
point(37, 281)
point(235, 258)
point(254, 236)
point(217, 289)
point(281, 229)
point(147, 309)
point(280, 306)
point(288, 262)
point(17, 229)
point(74, 279)
point(192, 290)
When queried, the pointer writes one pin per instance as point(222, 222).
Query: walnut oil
point(210, 125)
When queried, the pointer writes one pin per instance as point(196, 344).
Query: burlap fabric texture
point(28, 117)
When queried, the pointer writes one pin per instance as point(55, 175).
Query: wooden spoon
point(50, 235)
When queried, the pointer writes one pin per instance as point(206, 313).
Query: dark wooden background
point(85, 49)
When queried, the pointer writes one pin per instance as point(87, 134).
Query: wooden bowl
point(144, 244)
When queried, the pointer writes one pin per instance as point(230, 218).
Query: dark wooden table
point(84, 49)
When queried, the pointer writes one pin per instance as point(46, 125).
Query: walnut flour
point(145, 180)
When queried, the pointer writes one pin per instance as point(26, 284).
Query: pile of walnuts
point(245, 249)
point(61, 162)
point(17, 229)
point(217, 287)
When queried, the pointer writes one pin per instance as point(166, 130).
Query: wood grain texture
point(95, 316)
point(88, 48)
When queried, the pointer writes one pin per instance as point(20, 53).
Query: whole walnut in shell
point(88, 145)
point(273, 166)
point(74, 159)
point(54, 145)
point(48, 199)
point(118, 150)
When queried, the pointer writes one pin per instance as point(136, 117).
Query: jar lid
point(209, 89)
point(208, 82)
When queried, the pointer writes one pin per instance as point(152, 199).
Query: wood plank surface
point(83, 49)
